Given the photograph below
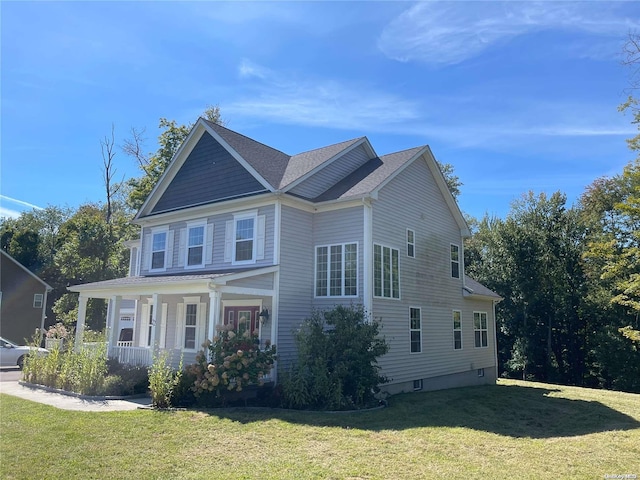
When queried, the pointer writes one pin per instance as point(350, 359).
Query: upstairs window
point(386, 274)
point(38, 300)
point(411, 243)
point(457, 330)
point(337, 270)
point(480, 329)
point(158, 250)
point(245, 238)
point(415, 330)
point(195, 245)
point(455, 261)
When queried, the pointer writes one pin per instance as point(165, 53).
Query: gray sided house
point(23, 301)
point(236, 231)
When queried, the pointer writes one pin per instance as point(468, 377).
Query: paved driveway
point(10, 374)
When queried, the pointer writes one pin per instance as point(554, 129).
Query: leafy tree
point(452, 180)
point(533, 260)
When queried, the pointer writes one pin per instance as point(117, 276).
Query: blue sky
point(517, 96)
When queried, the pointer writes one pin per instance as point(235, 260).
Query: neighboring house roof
point(472, 287)
point(45, 284)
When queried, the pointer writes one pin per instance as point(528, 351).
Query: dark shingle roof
point(280, 169)
point(476, 288)
point(268, 162)
point(303, 163)
point(369, 176)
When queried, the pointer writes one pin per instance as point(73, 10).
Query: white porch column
point(114, 320)
point(214, 313)
point(155, 327)
point(82, 314)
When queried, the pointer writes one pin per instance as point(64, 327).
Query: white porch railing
point(131, 355)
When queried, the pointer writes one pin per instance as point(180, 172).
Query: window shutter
point(169, 252)
point(202, 325)
point(182, 247)
point(146, 252)
point(163, 326)
point(144, 326)
point(260, 237)
point(179, 326)
point(228, 241)
point(209, 246)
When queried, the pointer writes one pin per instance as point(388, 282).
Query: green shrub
point(163, 379)
point(337, 361)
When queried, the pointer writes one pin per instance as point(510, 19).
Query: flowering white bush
point(236, 361)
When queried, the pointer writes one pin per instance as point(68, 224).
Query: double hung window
point(415, 329)
point(455, 261)
point(457, 330)
point(480, 329)
point(195, 245)
point(411, 243)
point(190, 325)
point(158, 250)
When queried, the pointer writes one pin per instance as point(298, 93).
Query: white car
point(12, 355)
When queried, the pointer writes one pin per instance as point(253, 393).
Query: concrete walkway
point(66, 402)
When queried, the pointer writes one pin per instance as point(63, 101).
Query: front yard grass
point(510, 430)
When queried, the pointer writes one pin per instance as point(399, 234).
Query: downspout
point(495, 338)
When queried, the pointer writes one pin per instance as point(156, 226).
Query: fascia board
point(174, 166)
point(238, 157)
point(326, 163)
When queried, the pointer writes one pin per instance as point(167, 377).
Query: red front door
point(242, 318)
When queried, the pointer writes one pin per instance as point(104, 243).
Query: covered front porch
point(177, 314)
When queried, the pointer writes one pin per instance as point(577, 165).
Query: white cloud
point(451, 32)
point(12, 207)
point(325, 103)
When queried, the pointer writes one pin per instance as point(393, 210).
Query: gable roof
point(277, 171)
point(369, 176)
point(267, 161)
point(45, 284)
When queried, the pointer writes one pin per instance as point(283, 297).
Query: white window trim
point(190, 225)
point(452, 261)
point(342, 287)
point(156, 231)
point(415, 330)
point(459, 312)
point(236, 218)
point(413, 244)
point(198, 326)
point(38, 300)
point(480, 329)
point(399, 297)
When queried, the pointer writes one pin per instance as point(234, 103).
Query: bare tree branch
point(133, 147)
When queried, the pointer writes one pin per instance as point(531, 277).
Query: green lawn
point(511, 430)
